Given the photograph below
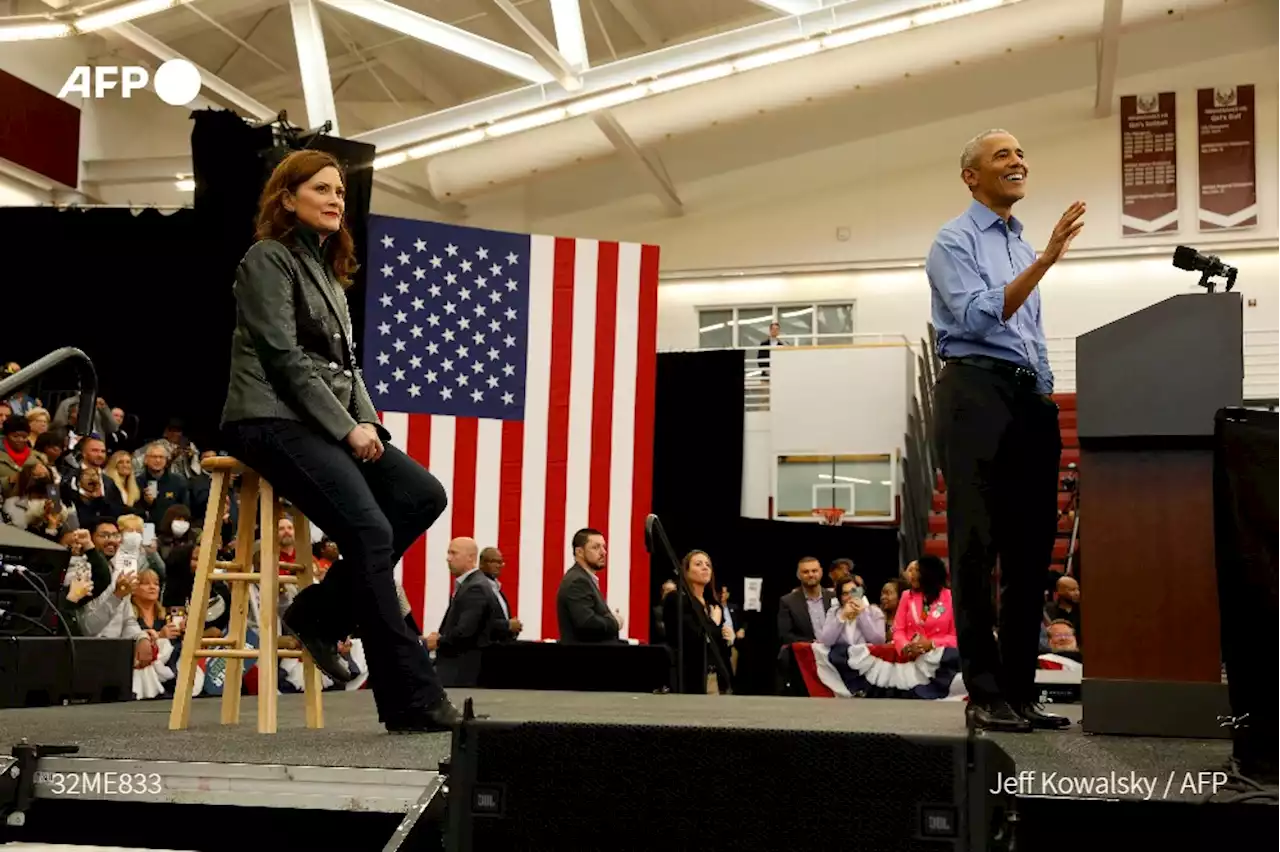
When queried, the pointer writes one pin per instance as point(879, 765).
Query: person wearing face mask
point(35, 507)
point(175, 531)
point(133, 554)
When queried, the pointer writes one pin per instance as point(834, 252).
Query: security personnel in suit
point(298, 413)
point(473, 621)
point(581, 611)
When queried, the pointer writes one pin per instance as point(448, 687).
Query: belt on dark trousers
point(1023, 377)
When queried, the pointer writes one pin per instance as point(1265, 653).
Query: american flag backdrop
point(519, 370)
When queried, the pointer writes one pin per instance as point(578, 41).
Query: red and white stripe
point(582, 457)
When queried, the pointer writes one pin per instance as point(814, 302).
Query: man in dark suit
point(491, 563)
point(801, 612)
point(473, 621)
point(581, 610)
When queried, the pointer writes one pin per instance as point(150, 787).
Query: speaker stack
point(1246, 478)
point(556, 786)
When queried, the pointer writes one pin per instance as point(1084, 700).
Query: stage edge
point(233, 784)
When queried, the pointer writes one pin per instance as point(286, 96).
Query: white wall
point(1079, 295)
point(18, 192)
point(837, 400)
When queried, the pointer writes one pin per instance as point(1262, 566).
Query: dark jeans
point(999, 447)
point(373, 511)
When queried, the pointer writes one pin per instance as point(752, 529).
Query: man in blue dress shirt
point(996, 430)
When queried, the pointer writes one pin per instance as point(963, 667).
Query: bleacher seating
point(936, 543)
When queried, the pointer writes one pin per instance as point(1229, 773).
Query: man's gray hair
point(969, 156)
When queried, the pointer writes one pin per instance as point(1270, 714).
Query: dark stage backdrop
point(148, 295)
point(135, 291)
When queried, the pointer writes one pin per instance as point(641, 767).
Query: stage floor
point(352, 764)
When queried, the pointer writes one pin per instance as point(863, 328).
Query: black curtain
point(699, 413)
point(134, 290)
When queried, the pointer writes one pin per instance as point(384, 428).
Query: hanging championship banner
point(1228, 166)
point(1149, 163)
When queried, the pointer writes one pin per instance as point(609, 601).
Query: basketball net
point(830, 517)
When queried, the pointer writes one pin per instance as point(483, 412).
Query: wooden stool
point(239, 574)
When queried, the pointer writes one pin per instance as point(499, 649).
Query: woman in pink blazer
point(925, 619)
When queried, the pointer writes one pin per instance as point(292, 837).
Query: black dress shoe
point(323, 653)
point(1042, 721)
point(443, 717)
point(995, 716)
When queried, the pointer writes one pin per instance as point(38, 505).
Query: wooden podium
point(1148, 388)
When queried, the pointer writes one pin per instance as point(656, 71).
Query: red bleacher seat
point(1070, 456)
point(940, 501)
point(1066, 401)
point(938, 547)
point(939, 483)
point(937, 524)
point(1067, 419)
point(1070, 439)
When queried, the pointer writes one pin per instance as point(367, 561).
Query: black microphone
point(1209, 265)
point(1185, 257)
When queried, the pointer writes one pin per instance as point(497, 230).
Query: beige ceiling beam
point(647, 163)
point(1108, 57)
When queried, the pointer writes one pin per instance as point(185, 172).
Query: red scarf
point(19, 457)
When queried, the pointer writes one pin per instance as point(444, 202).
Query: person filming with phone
point(852, 619)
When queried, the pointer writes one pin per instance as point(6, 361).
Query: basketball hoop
point(829, 517)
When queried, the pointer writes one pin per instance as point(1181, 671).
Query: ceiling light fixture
point(696, 76)
point(122, 14)
point(72, 23)
point(35, 32)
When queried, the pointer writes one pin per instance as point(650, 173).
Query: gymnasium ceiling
point(397, 90)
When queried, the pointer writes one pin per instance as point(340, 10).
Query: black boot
point(323, 652)
point(441, 718)
point(1040, 720)
point(994, 716)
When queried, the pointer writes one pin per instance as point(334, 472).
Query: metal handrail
point(88, 377)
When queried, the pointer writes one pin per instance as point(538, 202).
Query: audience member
point(15, 452)
point(120, 439)
point(67, 416)
point(175, 531)
point(34, 505)
point(851, 619)
point(702, 674)
point(132, 533)
point(49, 448)
point(803, 611)
point(473, 620)
point(91, 497)
point(925, 619)
point(581, 611)
point(180, 581)
point(119, 469)
point(152, 616)
point(161, 487)
point(890, 593)
point(198, 486)
point(38, 420)
point(658, 629)
point(182, 455)
point(1065, 605)
point(1062, 638)
point(20, 401)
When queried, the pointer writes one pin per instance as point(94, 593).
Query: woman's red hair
point(276, 222)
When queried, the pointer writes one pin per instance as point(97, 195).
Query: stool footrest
point(244, 577)
point(246, 653)
point(214, 642)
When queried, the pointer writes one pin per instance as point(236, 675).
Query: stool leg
point(180, 713)
point(269, 587)
point(313, 686)
point(233, 685)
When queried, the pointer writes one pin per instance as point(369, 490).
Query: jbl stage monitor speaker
point(558, 786)
point(1246, 478)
